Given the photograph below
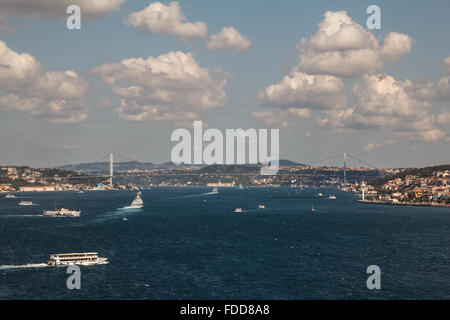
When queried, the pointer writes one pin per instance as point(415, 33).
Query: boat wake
point(24, 266)
point(20, 215)
point(194, 195)
point(129, 208)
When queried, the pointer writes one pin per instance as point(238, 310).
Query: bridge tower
point(345, 169)
point(111, 169)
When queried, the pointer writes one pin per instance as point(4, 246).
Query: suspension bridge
point(345, 156)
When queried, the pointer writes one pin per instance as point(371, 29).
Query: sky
point(137, 70)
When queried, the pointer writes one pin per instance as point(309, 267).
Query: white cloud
point(172, 87)
point(37, 8)
point(343, 48)
point(431, 91)
point(381, 94)
point(446, 63)
point(56, 96)
point(301, 90)
point(228, 39)
point(382, 102)
point(371, 146)
point(166, 19)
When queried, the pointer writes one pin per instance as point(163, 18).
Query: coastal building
point(221, 184)
point(4, 187)
point(101, 186)
point(37, 188)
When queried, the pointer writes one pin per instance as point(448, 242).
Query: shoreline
point(411, 204)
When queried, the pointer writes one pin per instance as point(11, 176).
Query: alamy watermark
point(74, 280)
point(213, 153)
point(73, 22)
point(374, 280)
point(374, 20)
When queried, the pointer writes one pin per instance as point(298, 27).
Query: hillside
point(420, 172)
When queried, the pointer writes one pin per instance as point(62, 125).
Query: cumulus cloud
point(340, 49)
point(166, 19)
point(228, 39)
point(302, 90)
point(343, 48)
point(37, 8)
point(381, 94)
point(172, 87)
point(434, 91)
point(446, 63)
point(56, 96)
point(382, 102)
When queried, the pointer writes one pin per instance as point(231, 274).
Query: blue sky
point(275, 29)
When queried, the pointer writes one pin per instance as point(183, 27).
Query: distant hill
point(120, 166)
point(132, 165)
point(289, 163)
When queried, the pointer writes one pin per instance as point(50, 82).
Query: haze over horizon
point(137, 70)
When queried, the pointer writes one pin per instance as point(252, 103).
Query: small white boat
point(238, 210)
point(81, 192)
point(215, 190)
point(320, 194)
point(137, 203)
point(312, 209)
point(241, 186)
point(25, 203)
point(261, 206)
point(332, 197)
point(10, 196)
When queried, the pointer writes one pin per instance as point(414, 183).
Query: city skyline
point(137, 70)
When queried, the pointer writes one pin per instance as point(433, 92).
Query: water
point(181, 247)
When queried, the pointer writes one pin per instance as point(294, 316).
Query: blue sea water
point(187, 243)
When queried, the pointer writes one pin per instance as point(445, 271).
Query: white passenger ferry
point(25, 203)
point(82, 259)
point(63, 212)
